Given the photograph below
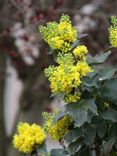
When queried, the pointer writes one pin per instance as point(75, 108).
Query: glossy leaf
point(58, 116)
point(101, 128)
point(79, 113)
point(42, 149)
point(73, 135)
point(107, 73)
point(109, 90)
point(92, 106)
point(110, 114)
point(58, 152)
point(99, 58)
point(90, 134)
point(74, 147)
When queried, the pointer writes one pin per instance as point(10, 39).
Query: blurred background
point(24, 90)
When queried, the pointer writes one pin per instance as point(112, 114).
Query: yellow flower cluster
point(61, 35)
point(48, 119)
point(113, 36)
point(83, 68)
point(66, 77)
point(60, 128)
point(72, 97)
point(28, 137)
point(113, 32)
point(80, 52)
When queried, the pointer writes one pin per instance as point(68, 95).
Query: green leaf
point(107, 146)
point(58, 116)
point(58, 152)
point(107, 73)
point(90, 134)
point(82, 35)
point(110, 114)
point(101, 128)
point(84, 152)
point(42, 149)
point(50, 51)
point(91, 105)
point(89, 82)
point(113, 132)
point(74, 147)
point(99, 58)
point(79, 113)
point(92, 74)
point(73, 135)
point(75, 44)
point(109, 90)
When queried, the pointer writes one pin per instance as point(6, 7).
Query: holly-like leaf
point(79, 113)
point(113, 132)
point(58, 116)
point(92, 106)
point(89, 82)
point(73, 135)
point(99, 58)
point(74, 147)
point(75, 44)
point(58, 152)
point(84, 152)
point(101, 128)
point(107, 146)
point(107, 73)
point(42, 149)
point(90, 134)
point(109, 90)
point(110, 114)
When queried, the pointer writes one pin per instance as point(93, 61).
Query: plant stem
point(110, 48)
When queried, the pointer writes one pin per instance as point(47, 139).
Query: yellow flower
point(59, 36)
point(83, 68)
point(72, 97)
point(28, 137)
point(80, 52)
point(64, 78)
point(67, 31)
point(66, 58)
point(113, 36)
point(56, 42)
point(60, 128)
point(113, 32)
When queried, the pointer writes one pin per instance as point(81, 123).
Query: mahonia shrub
point(88, 87)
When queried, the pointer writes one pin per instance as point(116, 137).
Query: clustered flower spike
point(66, 78)
point(58, 130)
point(113, 32)
point(59, 36)
point(80, 52)
point(29, 137)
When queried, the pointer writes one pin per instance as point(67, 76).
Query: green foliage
point(94, 114)
point(99, 58)
point(87, 125)
point(109, 91)
point(58, 152)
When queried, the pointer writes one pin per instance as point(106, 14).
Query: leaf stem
point(109, 48)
